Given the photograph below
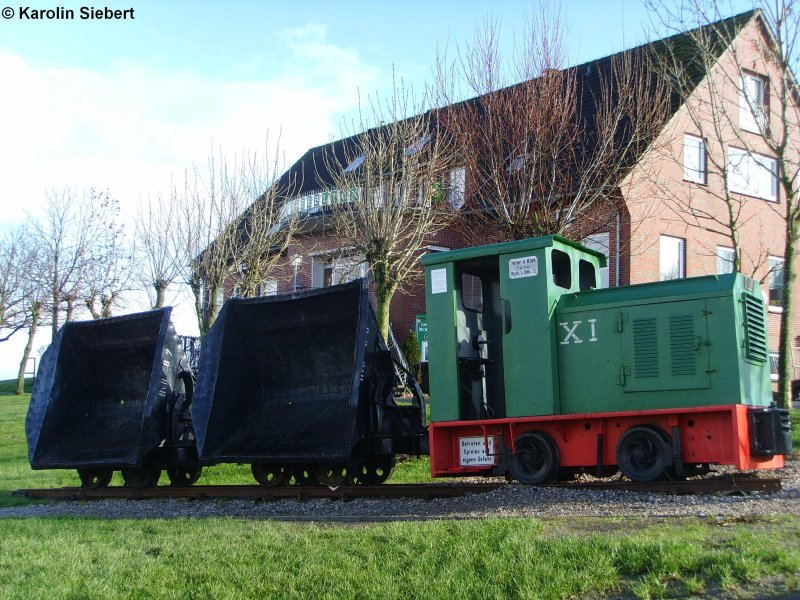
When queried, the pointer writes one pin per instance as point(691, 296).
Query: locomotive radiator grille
point(755, 328)
point(682, 345)
point(645, 348)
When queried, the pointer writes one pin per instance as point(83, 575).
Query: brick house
point(652, 232)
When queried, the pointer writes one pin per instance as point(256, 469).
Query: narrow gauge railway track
point(727, 484)
point(257, 492)
point(711, 485)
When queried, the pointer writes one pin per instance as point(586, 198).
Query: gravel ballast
point(512, 500)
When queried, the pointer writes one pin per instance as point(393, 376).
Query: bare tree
point(158, 247)
point(108, 260)
point(550, 151)
point(232, 229)
point(14, 284)
point(388, 198)
point(746, 114)
point(35, 303)
point(61, 237)
point(265, 231)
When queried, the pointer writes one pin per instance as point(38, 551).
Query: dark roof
point(308, 174)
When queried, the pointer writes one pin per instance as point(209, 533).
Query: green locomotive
point(534, 372)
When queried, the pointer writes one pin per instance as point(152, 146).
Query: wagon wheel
point(371, 471)
point(269, 475)
point(643, 454)
point(331, 475)
point(95, 478)
point(185, 476)
point(304, 475)
point(536, 459)
point(141, 477)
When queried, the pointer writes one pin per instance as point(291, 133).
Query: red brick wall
point(660, 200)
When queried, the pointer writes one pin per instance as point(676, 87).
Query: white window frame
point(752, 174)
point(268, 287)
point(773, 261)
point(457, 187)
point(343, 269)
point(236, 292)
point(774, 362)
point(753, 114)
point(599, 242)
point(694, 159)
point(725, 258)
point(667, 246)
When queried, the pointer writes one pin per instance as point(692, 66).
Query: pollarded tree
point(157, 248)
point(106, 272)
point(14, 283)
point(387, 182)
point(61, 235)
point(544, 145)
point(231, 230)
point(266, 229)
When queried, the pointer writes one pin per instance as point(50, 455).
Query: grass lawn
point(502, 558)
point(496, 558)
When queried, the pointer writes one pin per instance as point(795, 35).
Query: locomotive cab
point(492, 338)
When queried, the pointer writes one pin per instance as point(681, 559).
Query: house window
point(268, 288)
point(456, 187)
point(725, 259)
point(752, 174)
point(753, 103)
point(694, 159)
point(672, 258)
point(327, 270)
point(775, 281)
point(774, 362)
point(237, 291)
point(599, 243)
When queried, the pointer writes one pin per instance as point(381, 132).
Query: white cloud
point(132, 128)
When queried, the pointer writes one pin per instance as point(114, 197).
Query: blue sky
point(129, 105)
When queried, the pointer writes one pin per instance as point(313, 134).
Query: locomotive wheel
point(184, 477)
point(331, 475)
point(371, 471)
point(304, 475)
point(95, 478)
point(536, 460)
point(143, 477)
point(644, 454)
point(269, 475)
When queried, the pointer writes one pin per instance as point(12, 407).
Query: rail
point(728, 484)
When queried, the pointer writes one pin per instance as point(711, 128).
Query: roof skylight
point(354, 164)
point(417, 146)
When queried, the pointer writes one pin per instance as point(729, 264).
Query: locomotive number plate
point(473, 451)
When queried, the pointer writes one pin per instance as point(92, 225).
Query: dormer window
point(417, 146)
point(753, 115)
point(354, 164)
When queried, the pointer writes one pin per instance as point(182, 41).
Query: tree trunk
point(54, 321)
point(785, 371)
point(197, 291)
point(160, 289)
point(384, 291)
point(35, 312)
point(106, 302)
